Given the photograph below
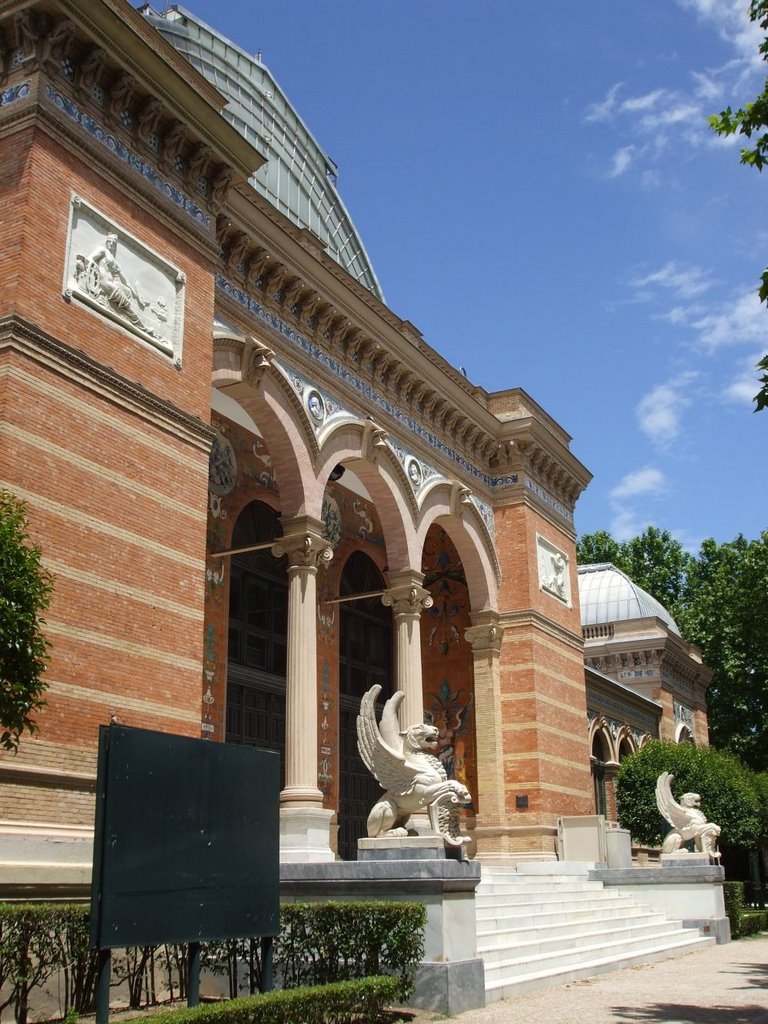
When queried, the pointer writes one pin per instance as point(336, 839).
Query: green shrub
point(339, 1003)
point(727, 789)
point(743, 921)
point(326, 942)
point(318, 944)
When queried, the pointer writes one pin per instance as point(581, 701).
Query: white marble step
point(535, 930)
point(597, 935)
point(501, 919)
point(542, 975)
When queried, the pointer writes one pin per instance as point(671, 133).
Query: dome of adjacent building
point(607, 594)
point(298, 178)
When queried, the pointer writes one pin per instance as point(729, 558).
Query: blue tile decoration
point(370, 394)
point(16, 92)
point(131, 159)
point(547, 498)
point(486, 514)
point(320, 407)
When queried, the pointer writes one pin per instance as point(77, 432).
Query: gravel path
point(718, 985)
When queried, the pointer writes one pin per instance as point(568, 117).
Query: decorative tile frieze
point(321, 408)
point(119, 278)
point(367, 392)
point(547, 498)
point(419, 473)
point(127, 156)
point(15, 93)
point(486, 514)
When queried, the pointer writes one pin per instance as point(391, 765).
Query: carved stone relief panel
point(554, 577)
point(116, 276)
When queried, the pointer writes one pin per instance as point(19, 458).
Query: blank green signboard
point(187, 840)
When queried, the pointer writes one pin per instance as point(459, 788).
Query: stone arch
point(353, 445)
point(243, 370)
point(600, 739)
point(683, 734)
point(468, 534)
point(625, 743)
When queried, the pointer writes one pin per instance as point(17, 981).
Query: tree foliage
point(751, 121)
point(654, 561)
point(727, 790)
point(726, 602)
point(25, 593)
point(719, 600)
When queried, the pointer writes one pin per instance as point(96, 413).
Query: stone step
point(504, 888)
point(596, 934)
point(540, 903)
point(542, 976)
point(499, 934)
point(497, 918)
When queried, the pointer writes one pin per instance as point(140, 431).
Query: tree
point(25, 593)
point(749, 120)
point(654, 561)
point(727, 789)
point(719, 600)
point(724, 614)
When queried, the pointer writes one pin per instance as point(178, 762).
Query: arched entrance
point(601, 754)
point(365, 658)
point(257, 643)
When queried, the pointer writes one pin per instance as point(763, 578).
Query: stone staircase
point(546, 924)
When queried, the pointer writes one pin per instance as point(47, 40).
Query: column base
point(516, 842)
point(305, 835)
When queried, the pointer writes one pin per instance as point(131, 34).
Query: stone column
point(304, 823)
point(406, 597)
point(491, 824)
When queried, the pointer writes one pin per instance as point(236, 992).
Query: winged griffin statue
point(404, 765)
point(687, 820)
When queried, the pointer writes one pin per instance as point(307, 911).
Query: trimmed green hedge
point(342, 1002)
point(743, 921)
point(318, 944)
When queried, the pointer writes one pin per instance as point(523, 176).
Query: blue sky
point(539, 192)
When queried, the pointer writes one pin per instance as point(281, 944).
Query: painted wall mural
point(447, 659)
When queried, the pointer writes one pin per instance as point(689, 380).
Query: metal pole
point(193, 974)
point(103, 977)
point(267, 973)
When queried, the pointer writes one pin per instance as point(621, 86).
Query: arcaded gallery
point(259, 490)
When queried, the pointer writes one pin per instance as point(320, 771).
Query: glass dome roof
point(298, 178)
point(606, 594)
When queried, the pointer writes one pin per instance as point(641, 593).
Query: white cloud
point(642, 482)
point(642, 102)
point(683, 282)
point(622, 159)
point(660, 411)
point(743, 320)
point(641, 486)
point(745, 384)
point(603, 110)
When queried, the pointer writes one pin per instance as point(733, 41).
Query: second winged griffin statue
point(405, 766)
point(688, 821)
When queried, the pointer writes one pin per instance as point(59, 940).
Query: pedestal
point(305, 835)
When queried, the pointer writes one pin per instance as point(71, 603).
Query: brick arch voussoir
point(468, 533)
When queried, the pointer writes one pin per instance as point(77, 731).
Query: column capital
point(485, 636)
point(406, 595)
point(304, 544)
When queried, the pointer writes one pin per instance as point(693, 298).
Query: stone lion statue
point(404, 765)
point(688, 821)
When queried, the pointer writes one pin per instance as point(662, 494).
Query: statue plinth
point(424, 847)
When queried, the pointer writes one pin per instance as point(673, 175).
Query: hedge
point(341, 1002)
point(743, 921)
point(318, 944)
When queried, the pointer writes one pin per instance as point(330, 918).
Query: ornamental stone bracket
point(62, 50)
point(239, 360)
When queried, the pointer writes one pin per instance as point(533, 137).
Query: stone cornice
point(133, 44)
point(99, 55)
point(23, 337)
point(531, 618)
